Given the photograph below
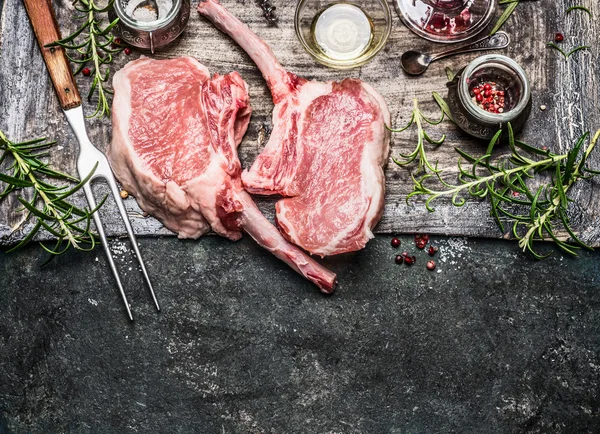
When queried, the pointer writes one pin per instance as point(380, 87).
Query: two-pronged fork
point(45, 27)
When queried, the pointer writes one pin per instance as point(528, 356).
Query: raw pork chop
point(326, 152)
point(174, 147)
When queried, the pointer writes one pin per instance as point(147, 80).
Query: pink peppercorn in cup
point(490, 92)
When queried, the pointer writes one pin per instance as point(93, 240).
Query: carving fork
point(45, 27)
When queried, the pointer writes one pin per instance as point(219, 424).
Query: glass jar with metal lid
point(487, 94)
point(139, 28)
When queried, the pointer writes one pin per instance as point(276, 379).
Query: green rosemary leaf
point(557, 48)
point(579, 8)
point(27, 238)
point(80, 185)
point(52, 230)
point(104, 9)
point(32, 209)
point(407, 126)
point(443, 106)
point(434, 142)
point(505, 16)
point(109, 27)
point(573, 154)
point(531, 149)
point(16, 182)
point(72, 36)
point(493, 142)
point(576, 49)
point(566, 224)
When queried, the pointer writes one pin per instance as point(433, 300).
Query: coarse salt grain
point(146, 14)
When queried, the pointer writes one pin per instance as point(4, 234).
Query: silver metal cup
point(154, 34)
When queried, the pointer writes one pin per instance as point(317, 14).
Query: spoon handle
point(490, 42)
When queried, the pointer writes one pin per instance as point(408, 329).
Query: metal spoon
point(415, 63)
point(149, 5)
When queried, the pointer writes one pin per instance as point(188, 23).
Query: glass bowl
point(343, 34)
point(446, 21)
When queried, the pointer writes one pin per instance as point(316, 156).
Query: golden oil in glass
point(342, 31)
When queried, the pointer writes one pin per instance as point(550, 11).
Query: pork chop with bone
point(325, 154)
point(174, 147)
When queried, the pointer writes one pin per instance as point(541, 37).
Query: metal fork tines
point(90, 156)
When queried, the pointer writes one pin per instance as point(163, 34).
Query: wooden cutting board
point(29, 108)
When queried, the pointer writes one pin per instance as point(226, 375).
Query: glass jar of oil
point(343, 34)
point(342, 31)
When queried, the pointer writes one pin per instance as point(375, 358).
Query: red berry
point(86, 71)
point(432, 250)
point(431, 265)
point(118, 41)
point(395, 242)
point(479, 97)
point(559, 37)
point(487, 86)
point(476, 91)
point(410, 260)
point(487, 93)
point(404, 254)
point(399, 259)
point(500, 93)
point(127, 51)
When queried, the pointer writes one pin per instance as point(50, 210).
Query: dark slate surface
point(491, 342)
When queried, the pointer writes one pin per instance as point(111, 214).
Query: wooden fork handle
point(45, 27)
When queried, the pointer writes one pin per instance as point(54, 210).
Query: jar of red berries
point(487, 94)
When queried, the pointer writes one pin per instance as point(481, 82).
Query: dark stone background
point(490, 342)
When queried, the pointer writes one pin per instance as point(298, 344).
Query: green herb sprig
point(93, 46)
point(567, 54)
point(543, 209)
point(419, 119)
point(49, 206)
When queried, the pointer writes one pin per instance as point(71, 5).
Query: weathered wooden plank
point(569, 89)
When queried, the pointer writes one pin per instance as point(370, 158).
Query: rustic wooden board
point(29, 108)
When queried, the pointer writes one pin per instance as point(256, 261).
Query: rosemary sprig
point(419, 119)
point(568, 54)
point(93, 45)
point(512, 5)
point(49, 206)
point(505, 183)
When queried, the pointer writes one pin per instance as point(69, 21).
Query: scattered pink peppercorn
point(86, 71)
point(399, 259)
point(396, 242)
point(432, 250)
point(559, 37)
point(128, 51)
point(431, 265)
point(410, 260)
